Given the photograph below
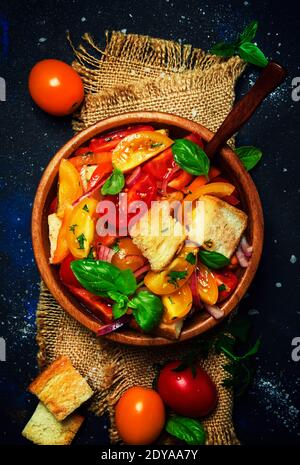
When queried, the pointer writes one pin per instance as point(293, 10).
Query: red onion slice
point(141, 271)
point(246, 248)
point(135, 175)
point(242, 259)
point(215, 311)
point(194, 288)
point(90, 192)
point(105, 253)
point(168, 178)
point(106, 329)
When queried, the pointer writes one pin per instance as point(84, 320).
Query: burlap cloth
point(140, 73)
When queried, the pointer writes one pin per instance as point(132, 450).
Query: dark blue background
point(29, 138)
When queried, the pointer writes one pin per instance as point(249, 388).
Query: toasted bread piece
point(45, 430)
point(61, 388)
point(223, 226)
point(171, 331)
point(54, 223)
point(86, 173)
point(158, 235)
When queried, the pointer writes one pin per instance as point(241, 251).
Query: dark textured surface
point(29, 138)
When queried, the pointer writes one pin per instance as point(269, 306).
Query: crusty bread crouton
point(158, 235)
point(44, 429)
point(54, 223)
point(223, 226)
point(61, 388)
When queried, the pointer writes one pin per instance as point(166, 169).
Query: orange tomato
point(177, 305)
point(140, 416)
point(207, 285)
point(69, 186)
point(81, 231)
point(128, 256)
point(55, 87)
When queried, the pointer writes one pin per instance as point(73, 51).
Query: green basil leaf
point(121, 304)
point(252, 54)
point(114, 184)
point(224, 49)
point(190, 157)
point(102, 277)
point(147, 310)
point(249, 32)
point(191, 258)
point(186, 429)
point(249, 156)
point(213, 260)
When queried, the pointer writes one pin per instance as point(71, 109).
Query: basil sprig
point(106, 280)
point(214, 260)
point(186, 429)
point(190, 157)
point(249, 156)
point(243, 46)
point(114, 184)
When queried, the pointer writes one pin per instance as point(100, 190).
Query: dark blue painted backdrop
point(29, 138)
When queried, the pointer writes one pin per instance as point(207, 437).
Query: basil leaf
point(190, 157)
point(249, 32)
point(191, 258)
point(252, 54)
point(114, 184)
point(224, 49)
point(186, 429)
point(213, 260)
point(147, 310)
point(102, 277)
point(120, 307)
point(249, 156)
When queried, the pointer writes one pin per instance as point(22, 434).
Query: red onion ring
point(141, 271)
point(106, 329)
point(133, 177)
point(246, 248)
point(168, 178)
point(215, 311)
point(194, 288)
point(105, 253)
point(242, 259)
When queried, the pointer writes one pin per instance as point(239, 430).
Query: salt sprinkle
point(278, 285)
point(253, 311)
point(194, 112)
point(42, 39)
point(293, 259)
point(83, 19)
point(124, 31)
point(284, 170)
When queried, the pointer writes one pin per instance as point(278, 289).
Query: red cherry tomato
point(195, 138)
point(55, 87)
point(159, 166)
point(111, 140)
point(188, 395)
point(139, 416)
point(228, 280)
point(66, 274)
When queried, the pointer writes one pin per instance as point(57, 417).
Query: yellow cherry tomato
point(173, 277)
point(82, 228)
point(207, 285)
point(178, 304)
point(69, 186)
point(219, 189)
point(139, 147)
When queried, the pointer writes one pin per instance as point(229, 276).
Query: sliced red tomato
point(111, 140)
point(159, 166)
point(195, 138)
point(181, 180)
point(100, 172)
point(66, 274)
point(81, 151)
point(227, 282)
point(144, 190)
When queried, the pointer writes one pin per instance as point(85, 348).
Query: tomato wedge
point(227, 282)
point(113, 138)
point(91, 158)
point(207, 285)
point(177, 305)
point(160, 165)
point(138, 148)
point(69, 186)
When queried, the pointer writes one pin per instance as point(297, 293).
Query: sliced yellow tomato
point(178, 304)
point(81, 228)
point(138, 148)
point(69, 186)
point(173, 277)
point(207, 285)
point(219, 189)
point(165, 132)
point(62, 249)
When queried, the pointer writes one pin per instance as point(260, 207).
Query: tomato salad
point(151, 283)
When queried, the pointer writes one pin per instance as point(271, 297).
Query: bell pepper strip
point(100, 172)
point(99, 142)
point(91, 158)
point(69, 186)
point(231, 199)
point(81, 151)
point(219, 189)
point(181, 180)
point(137, 148)
point(159, 166)
point(93, 303)
point(81, 230)
point(62, 248)
point(66, 274)
point(201, 180)
point(53, 206)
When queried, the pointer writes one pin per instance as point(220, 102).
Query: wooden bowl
point(178, 127)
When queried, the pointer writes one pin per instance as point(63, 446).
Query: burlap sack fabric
point(140, 73)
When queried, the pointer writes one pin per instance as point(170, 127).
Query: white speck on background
point(42, 39)
point(83, 19)
point(123, 31)
point(293, 259)
point(284, 170)
point(253, 311)
point(278, 285)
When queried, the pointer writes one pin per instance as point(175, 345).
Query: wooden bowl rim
point(60, 293)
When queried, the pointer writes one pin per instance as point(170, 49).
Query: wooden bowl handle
point(270, 78)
